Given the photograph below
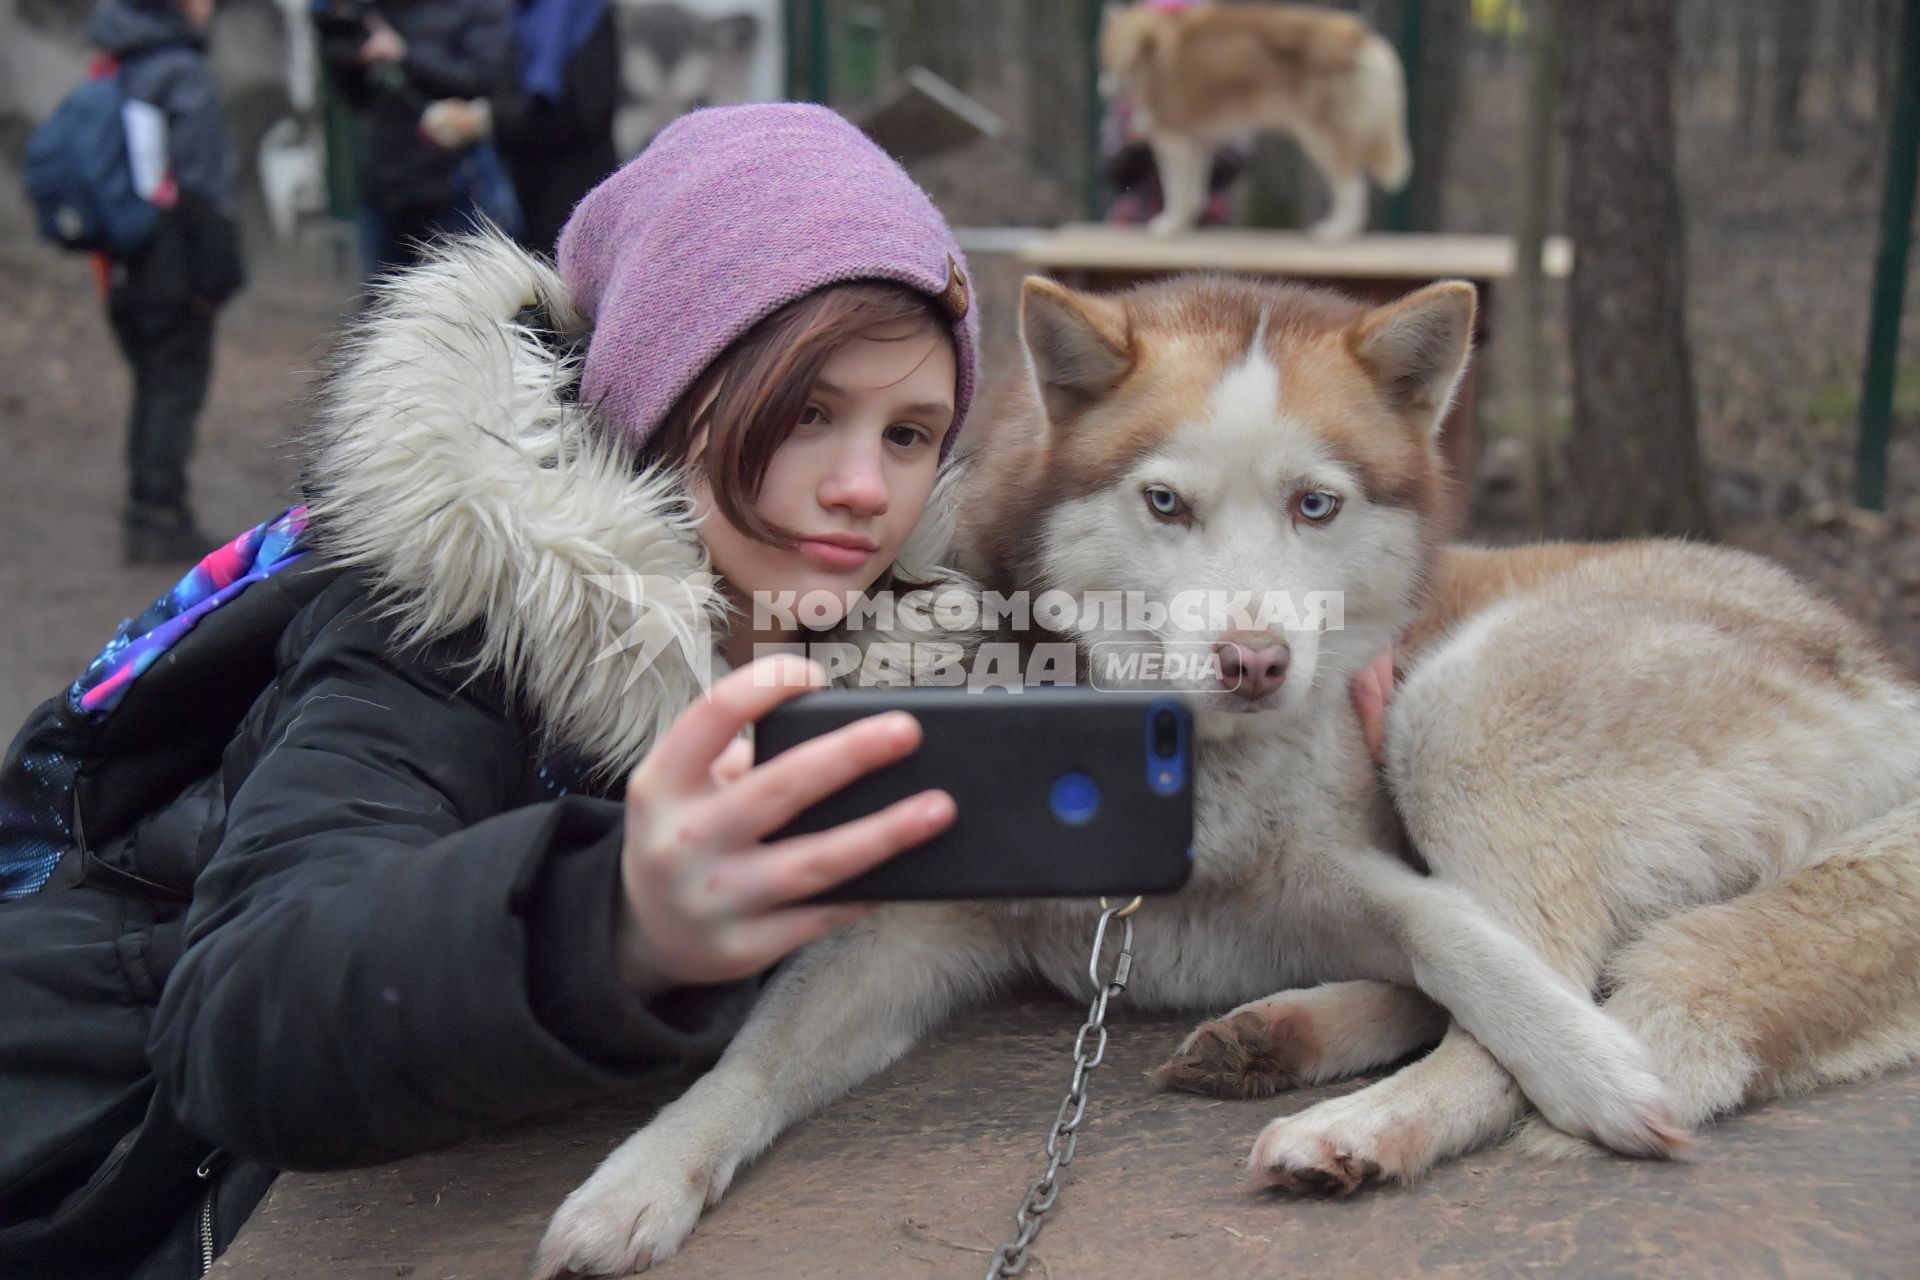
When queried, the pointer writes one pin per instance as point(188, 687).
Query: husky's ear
point(1076, 346)
point(1416, 348)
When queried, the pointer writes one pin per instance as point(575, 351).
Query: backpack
point(154, 711)
point(90, 167)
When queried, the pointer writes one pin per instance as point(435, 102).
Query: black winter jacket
point(381, 917)
point(455, 49)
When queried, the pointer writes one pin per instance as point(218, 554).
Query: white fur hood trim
point(451, 468)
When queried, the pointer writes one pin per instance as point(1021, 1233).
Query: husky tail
point(1383, 95)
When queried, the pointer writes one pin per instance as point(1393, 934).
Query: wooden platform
point(1374, 268)
point(1098, 248)
point(916, 1175)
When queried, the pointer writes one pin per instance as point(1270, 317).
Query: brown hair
point(750, 398)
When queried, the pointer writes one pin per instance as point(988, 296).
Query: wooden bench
point(916, 1174)
point(1373, 268)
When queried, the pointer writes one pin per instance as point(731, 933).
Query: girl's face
point(852, 480)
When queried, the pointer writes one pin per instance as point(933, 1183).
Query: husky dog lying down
point(1665, 803)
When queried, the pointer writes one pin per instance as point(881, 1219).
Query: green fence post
point(1890, 271)
point(340, 132)
point(790, 24)
point(864, 25)
point(819, 55)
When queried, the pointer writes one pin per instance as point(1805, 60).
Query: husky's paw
point(1331, 230)
point(1338, 1147)
point(1165, 223)
point(637, 1209)
point(1256, 1051)
point(1609, 1094)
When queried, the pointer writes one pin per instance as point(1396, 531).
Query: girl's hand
point(1372, 691)
point(705, 900)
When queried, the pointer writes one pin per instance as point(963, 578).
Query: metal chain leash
point(1011, 1258)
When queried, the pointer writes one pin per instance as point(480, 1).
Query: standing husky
point(1211, 72)
point(1659, 772)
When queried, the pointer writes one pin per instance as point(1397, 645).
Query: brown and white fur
point(1200, 76)
point(1660, 774)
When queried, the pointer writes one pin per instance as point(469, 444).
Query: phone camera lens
point(1166, 734)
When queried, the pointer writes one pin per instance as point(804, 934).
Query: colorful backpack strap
point(68, 736)
point(221, 575)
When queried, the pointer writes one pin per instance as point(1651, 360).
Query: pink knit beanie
point(730, 214)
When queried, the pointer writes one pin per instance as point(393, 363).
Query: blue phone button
point(1076, 798)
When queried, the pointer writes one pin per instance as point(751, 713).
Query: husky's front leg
point(1452, 1101)
point(1584, 1071)
point(1182, 163)
point(838, 1012)
point(1307, 1036)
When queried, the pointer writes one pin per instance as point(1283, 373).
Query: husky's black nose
point(1252, 663)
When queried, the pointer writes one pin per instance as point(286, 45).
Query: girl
point(473, 842)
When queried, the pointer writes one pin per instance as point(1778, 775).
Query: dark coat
point(195, 252)
point(455, 49)
point(386, 889)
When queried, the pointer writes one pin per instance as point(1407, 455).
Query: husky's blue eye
point(1165, 502)
point(1316, 505)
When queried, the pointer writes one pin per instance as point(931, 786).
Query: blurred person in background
point(554, 125)
point(555, 128)
point(392, 60)
point(162, 302)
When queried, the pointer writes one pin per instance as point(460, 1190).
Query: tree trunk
point(1438, 89)
point(1528, 307)
point(1635, 460)
point(1793, 22)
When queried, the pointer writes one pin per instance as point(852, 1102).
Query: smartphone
point(1059, 793)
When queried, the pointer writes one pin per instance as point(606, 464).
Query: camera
point(1166, 734)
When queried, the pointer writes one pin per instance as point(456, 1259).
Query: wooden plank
point(916, 1175)
point(1095, 247)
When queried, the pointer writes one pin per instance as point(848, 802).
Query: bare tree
point(1635, 459)
point(1793, 25)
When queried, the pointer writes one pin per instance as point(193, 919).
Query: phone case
point(1058, 792)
